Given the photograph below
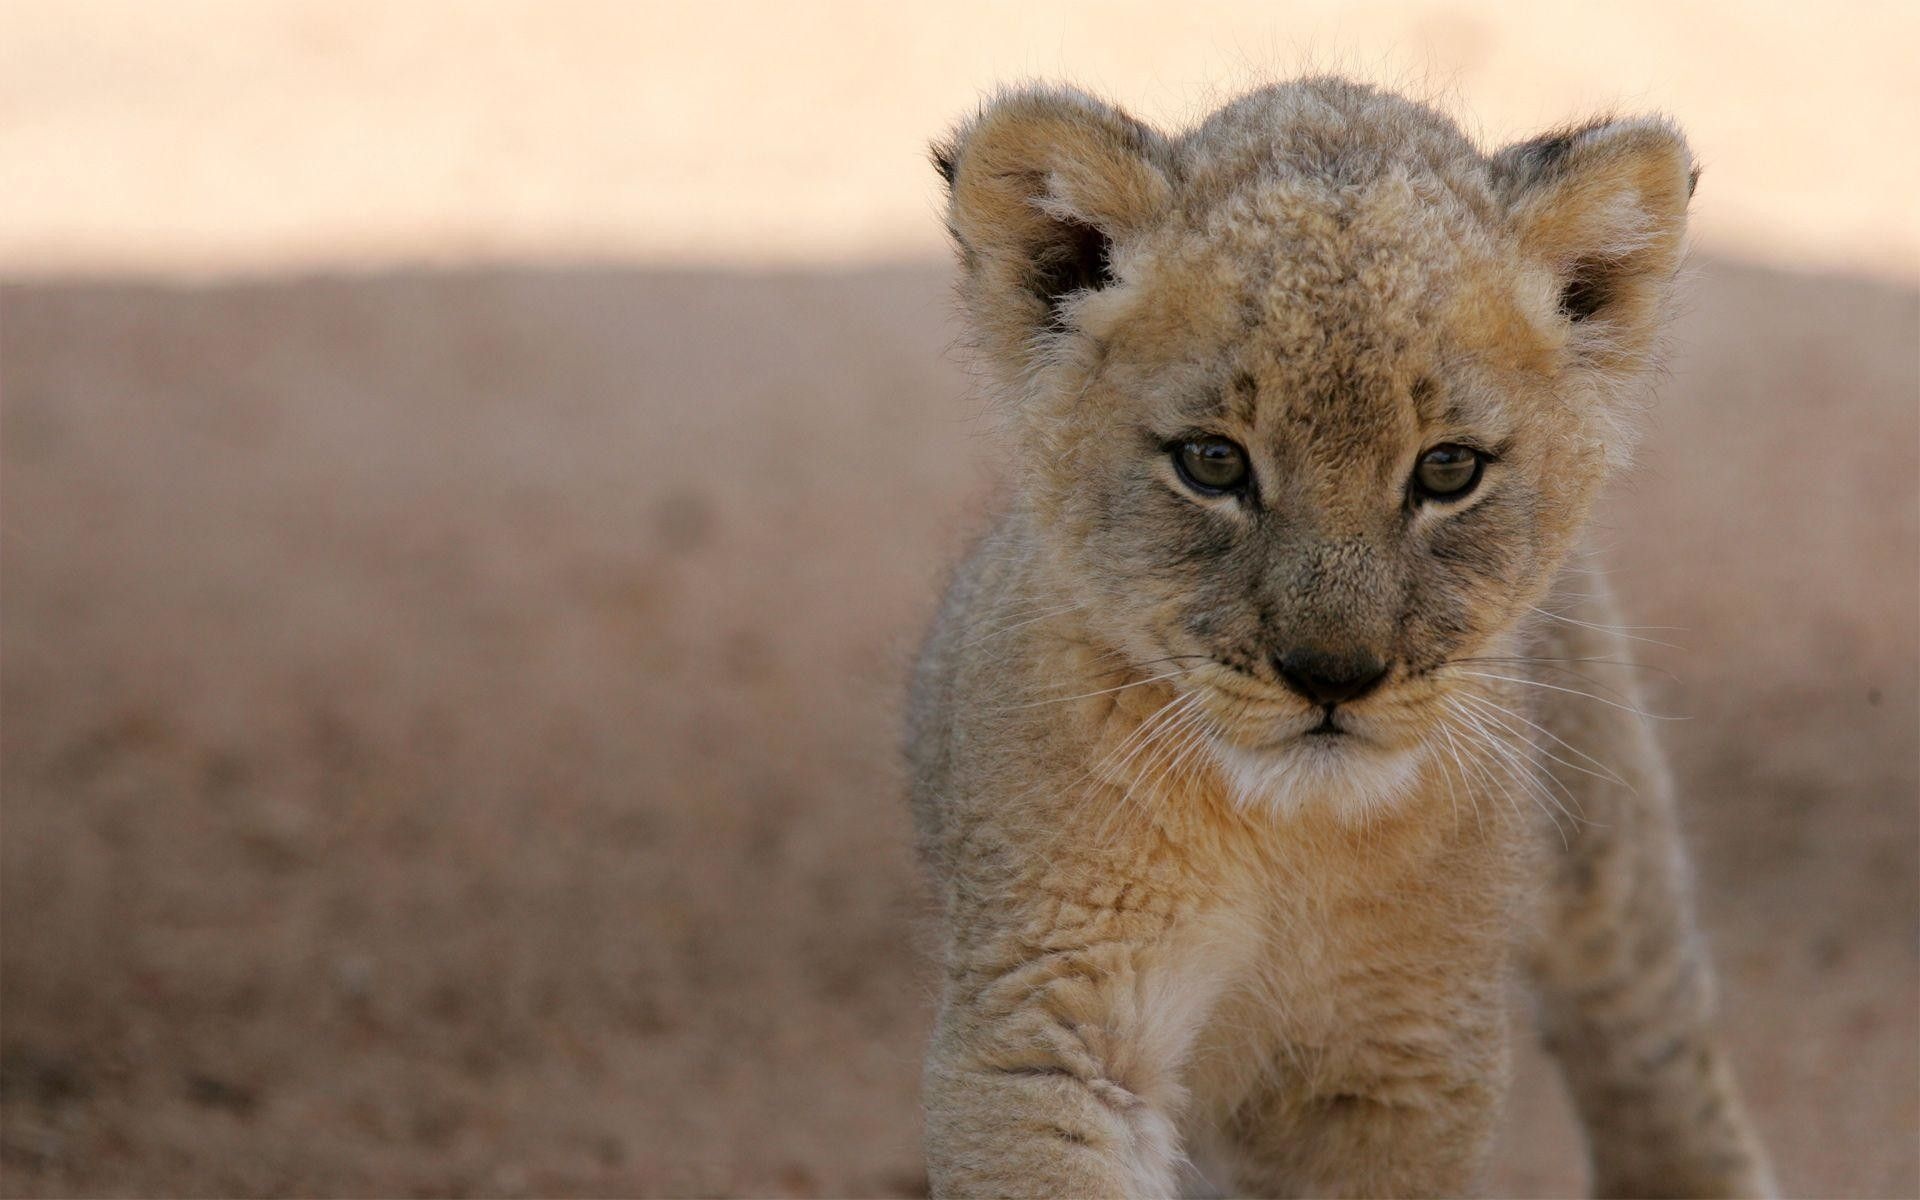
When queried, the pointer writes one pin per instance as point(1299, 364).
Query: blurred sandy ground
point(470, 479)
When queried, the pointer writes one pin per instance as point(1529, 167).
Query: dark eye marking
point(1211, 465)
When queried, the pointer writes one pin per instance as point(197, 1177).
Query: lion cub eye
point(1211, 465)
point(1447, 472)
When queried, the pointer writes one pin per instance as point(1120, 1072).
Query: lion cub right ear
point(1604, 207)
point(1042, 186)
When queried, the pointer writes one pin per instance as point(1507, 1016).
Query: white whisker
point(1601, 771)
point(1102, 692)
point(1020, 624)
point(1163, 744)
point(1617, 630)
point(1574, 692)
point(1453, 748)
point(1523, 772)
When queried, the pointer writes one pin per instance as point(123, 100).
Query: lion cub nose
point(1327, 678)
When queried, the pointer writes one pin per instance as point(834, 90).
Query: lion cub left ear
point(1044, 188)
point(1604, 207)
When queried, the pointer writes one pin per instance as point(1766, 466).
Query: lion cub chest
point(1360, 961)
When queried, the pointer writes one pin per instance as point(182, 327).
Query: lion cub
point(1257, 744)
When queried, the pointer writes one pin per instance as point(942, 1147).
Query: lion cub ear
point(1042, 186)
point(1604, 207)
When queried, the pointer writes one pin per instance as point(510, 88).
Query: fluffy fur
point(1177, 924)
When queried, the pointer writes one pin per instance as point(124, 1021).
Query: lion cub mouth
point(1264, 727)
point(1329, 764)
point(1329, 727)
point(1331, 757)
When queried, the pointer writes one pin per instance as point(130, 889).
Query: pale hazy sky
point(196, 138)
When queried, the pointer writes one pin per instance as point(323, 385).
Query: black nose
point(1330, 678)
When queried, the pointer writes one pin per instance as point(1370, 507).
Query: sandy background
point(470, 481)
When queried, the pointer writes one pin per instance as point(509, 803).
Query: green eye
point(1211, 465)
point(1448, 472)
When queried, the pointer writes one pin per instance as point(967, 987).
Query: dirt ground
point(448, 725)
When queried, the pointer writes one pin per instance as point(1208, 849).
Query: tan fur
point(1172, 924)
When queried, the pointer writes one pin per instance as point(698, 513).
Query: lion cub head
point(1312, 399)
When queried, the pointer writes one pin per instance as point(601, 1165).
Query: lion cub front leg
point(1624, 981)
point(1627, 1008)
point(1055, 1068)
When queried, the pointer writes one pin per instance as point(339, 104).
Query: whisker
point(1609, 628)
point(1171, 716)
point(1618, 630)
point(1453, 748)
point(1128, 746)
point(1481, 768)
point(1515, 766)
point(1180, 769)
point(1499, 712)
point(1576, 692)
point(1549, 661)
point(1453, 799)
point(1121, 665)
point(1163, 743)
point(1141, 739)
point(1143, 734)
point(1102, 692)
point(1021, 624)
point(1549, 666)
point(1533, 775)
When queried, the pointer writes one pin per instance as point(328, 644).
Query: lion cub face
point(1311, 401)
